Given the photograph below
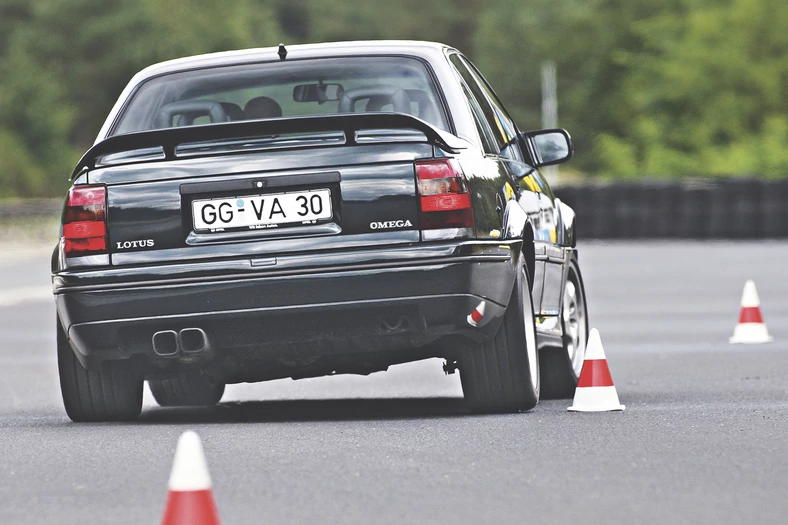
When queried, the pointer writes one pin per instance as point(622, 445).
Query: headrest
point(262, 107)
point(382, 93)
point(189, 111)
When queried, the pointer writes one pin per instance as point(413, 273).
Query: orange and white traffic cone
point(190, 500)
point(750, 329)
point(476, 316)
point(595, 389)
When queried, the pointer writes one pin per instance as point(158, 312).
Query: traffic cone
point(190, 501)
point(476, 316)
point(750, 329)
point(595, 389)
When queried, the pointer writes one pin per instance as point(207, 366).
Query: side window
point(481, 100)
point(488, 143)
point(503, 127)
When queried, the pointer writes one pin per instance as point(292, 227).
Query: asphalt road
point(703, 439)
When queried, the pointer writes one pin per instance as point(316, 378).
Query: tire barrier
point(692, 209)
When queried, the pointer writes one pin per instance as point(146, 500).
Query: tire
point(189, 389)
point(502, 375)
point(113, 393)
point(560, 367)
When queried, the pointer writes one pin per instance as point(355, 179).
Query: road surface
point(703, 439)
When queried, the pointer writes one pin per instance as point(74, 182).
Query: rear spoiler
point(170, 138)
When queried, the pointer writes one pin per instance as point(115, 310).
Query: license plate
point(262, 211)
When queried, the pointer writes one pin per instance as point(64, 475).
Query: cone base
point(735, 341)
point(596, 399)
point(619, 408)
point(750, 334)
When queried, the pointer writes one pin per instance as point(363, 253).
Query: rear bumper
point(292, 307)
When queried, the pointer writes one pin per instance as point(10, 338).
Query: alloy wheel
point(575, 324)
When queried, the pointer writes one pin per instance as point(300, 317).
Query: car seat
point(377, 97)
point(185, 112)
point(426, 106)
point(233, 111)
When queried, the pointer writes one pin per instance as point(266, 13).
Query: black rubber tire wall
point(495, 375)
point(112, 394)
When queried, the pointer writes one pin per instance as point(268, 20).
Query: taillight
point(85, 221)
point(445, 200)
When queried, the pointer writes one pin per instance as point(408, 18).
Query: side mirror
point(317, 92)
point(547, 146)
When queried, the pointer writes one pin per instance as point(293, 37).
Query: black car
point(313, 210)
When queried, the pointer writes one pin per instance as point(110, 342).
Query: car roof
point(299, 51)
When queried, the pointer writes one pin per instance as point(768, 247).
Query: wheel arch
point(517, 226)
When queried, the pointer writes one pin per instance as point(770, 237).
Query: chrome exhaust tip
point(192, 340)
point(165, 343)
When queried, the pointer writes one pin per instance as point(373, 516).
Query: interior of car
point(366, 99)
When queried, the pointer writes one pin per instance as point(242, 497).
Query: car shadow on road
point(311, 410)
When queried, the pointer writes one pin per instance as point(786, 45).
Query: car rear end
point(294, 246)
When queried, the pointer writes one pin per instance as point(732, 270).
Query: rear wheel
point(113, 393)
point(502, 375)
point(187, 389)
point(561, 367)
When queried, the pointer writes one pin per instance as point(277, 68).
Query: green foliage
point(190, 27)
point(20, 174)
point(58, 81)
point(646, 87)
point(448, 21)
point(708, 90)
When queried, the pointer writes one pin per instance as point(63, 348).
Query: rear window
point(284, 89)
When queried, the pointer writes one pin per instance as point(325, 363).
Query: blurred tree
point(708, 93)
point(293, 17)
point(658, 87)
point(510, 44)
point(452, 21)
point(190, 27)
point(12, 13)
point(65, 62)
point(62, 71)
point(585, 38)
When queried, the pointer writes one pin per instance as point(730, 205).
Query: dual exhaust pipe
point(189, 341)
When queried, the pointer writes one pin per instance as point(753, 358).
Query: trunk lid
point(184, 209)
point(263, 187)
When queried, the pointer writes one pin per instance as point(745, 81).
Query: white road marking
point(14, 296)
